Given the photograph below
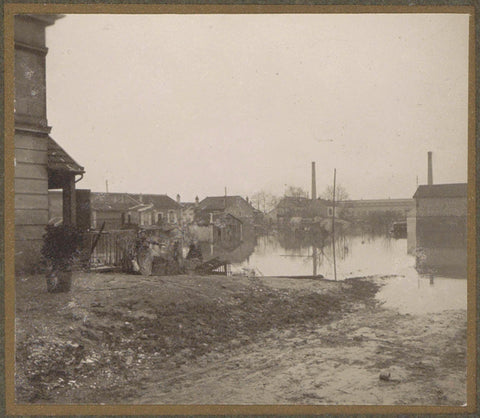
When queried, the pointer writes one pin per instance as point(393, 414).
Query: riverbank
point(187, 339)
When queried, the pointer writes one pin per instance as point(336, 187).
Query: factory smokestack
point(430, 169)
point(314, 182)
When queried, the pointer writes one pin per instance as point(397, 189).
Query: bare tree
point(294, 191)
point(264, 201)
point(340, 193)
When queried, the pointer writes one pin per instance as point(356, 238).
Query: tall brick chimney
point(314, 182)
point(430, 169)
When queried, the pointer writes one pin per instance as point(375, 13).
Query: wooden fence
point(111, 249)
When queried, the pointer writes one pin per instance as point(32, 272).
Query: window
point(330, 211)
point(172, 217)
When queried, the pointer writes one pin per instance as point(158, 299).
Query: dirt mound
point(112, 334)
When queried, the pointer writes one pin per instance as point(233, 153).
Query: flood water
point(409, 291)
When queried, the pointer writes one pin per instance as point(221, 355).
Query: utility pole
point(333, 225)
point(106, 185)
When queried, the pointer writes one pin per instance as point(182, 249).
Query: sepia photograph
point(242, 208)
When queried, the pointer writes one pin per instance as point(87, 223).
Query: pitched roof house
point(118, 210)
point(165, 209)
point(234, 205)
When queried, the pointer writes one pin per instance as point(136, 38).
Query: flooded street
point(408, 292)
point(238, 339)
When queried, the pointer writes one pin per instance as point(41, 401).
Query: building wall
point(168, 216)
point(411, 232)
point(113, 219)
point(200, 233)
point(31, 133)
point(441, 222)
point(146, 217)
point(442, 206)
point(443, 261)
point(441, 234)
point(362, 208)
point(187, 215)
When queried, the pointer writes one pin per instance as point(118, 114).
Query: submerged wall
point(441, 235)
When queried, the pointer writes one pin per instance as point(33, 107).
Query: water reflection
point(283, 254)
point(235, 252)
point(417, 294)
point(359, 255)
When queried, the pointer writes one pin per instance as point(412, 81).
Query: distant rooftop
point(112, 201)
point(125, 201)
point(160, 201)
point(218, 202)
point(442, 190)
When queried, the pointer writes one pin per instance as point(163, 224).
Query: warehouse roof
point(441, 190)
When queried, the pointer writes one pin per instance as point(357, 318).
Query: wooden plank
point(31, 156)
point(31, 171)
point(29, 232)
point(31, 185)
point(32, 142)
point(31, 201)
point(31, 217)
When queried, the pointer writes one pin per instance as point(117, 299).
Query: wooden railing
point(111, 248)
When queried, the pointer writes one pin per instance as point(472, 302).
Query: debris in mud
point(385, 376)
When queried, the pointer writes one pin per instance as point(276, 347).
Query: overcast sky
point(191, 104)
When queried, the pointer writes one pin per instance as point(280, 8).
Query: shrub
point(61, 245)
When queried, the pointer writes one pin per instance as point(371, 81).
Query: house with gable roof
point(236, 206)
point(164, 209)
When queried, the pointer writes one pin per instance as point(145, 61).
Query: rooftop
point(159, 201)
point(59, 160)
point(219, 202)
point(125, 201)
point(112, 201)
point(442, 190)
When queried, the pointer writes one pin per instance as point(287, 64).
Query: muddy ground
point(119, 338)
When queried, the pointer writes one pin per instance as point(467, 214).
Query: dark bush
point(61, 245)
